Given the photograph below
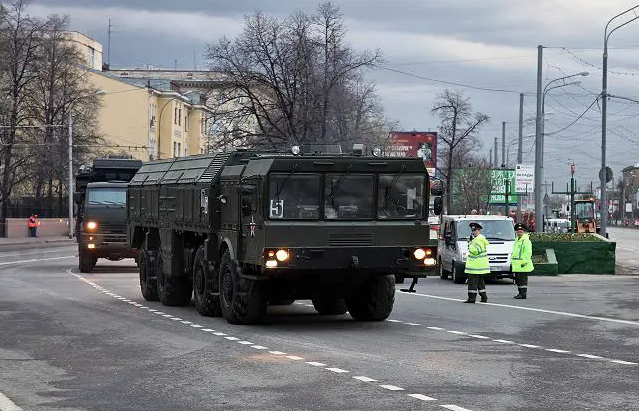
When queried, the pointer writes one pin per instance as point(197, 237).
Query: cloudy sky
point(488, 48)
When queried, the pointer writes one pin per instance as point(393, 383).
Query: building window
point(91, 57)
point(179, 149)
point(180, 117)
point(174, 149)
point(175, 116)
point(186, 122)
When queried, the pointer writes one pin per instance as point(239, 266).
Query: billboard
point(500, 180)
point(414, 144)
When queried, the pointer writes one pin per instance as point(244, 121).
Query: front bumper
point(496, 270)
point(388, 260)
point(107, 246)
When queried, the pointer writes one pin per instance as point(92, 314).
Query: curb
point(37, 244)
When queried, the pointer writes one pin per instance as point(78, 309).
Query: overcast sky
point(489, 44)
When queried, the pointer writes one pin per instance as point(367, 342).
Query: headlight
point(429, 262)
point(281, 255)
point(92, 225)
point(419, 253)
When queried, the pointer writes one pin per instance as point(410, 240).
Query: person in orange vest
point(32, 223)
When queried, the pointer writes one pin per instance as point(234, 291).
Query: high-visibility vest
point(32, 223)
point(522, 254)
point(477, 260)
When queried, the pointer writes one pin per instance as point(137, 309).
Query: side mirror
point(436, 191)
point(247, 207)
point(438, 205)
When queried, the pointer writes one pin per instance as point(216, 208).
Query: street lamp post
point(539, 139)
point(604, 93)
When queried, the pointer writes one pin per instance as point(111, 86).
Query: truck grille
point(114, 228)
point(350, 240)
point(498, 258)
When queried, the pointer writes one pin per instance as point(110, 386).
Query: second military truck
point(243, 229)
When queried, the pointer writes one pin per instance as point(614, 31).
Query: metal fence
point(43, 207)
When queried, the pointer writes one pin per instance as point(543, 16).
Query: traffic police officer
point(521, 260)
point(477, 265)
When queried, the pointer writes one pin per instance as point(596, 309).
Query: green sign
point(502, 181)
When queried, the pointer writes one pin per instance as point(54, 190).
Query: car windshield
point(584, 210)
point(348, 197)
point(106, 196)
point(400, 196)
point(294, 196)
point(492, 229)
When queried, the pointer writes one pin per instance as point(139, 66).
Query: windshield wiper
point(339, 182)
point(390, 187)
point(279, 190)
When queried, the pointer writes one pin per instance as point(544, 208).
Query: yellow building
point(148, 120)
point(89, 49)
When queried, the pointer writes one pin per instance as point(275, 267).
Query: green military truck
point(100, 197)
point(243, 229)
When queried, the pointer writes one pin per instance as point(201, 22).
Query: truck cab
point(454, 235)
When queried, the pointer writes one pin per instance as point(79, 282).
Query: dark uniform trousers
point(521, 279)
point(476, 283)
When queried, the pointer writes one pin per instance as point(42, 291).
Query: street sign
point(524, 178)
point(607, 172)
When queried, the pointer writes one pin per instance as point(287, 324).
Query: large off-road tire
point(172, 290)
point(205, 286)
point(242, 300)
point(330, 306)
point(86, 260)
point(148, 281)
point(374, 300)
point(399, 279)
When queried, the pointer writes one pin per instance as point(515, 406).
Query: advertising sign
point(501, 179)
point(414, 144)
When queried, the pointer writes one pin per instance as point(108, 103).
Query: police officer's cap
point(520, 226)
point(475, 226)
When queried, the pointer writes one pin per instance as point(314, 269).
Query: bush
point(563, 237)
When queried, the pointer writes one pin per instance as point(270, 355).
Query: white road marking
point(185, 322)
point(159, 312)
point(337, 370)
point(294, 357)
point(529, 345)
point(219, 333)
point(196, 326)
point(391, 387)
point(245, 342)
point(394, 321)
point(595, 357)
point(143, 306)
point(168, 316)
point(435, 328)
point(232, 338)
point(365, 379)
point(177, 319)
point(505, 341)
point(558, 351)
point(259, 347)
point(7, 405)
point(207, 330)
point(277, 352)
point(539, 310)
point(457, 332)
point(316, 364)
point(412, 324)
point(454, 407)
point(624, 362)
point(34, 260)
point(483, 337)
point(422, 397)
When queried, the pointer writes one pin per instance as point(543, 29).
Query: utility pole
point(539, 151)
point(70, 183)
point(490, 156)
point(520, 148)
point(495, 164)
point(503, 145)
point(109, 44)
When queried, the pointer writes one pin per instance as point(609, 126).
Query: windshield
point(584, 210)
point(106, 196)
point(294, 196)
point(400, 196)
point(492, 229)
point(348, 196)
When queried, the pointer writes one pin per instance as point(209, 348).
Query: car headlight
point(92, 225)
point(281, 255)
point(419, 254)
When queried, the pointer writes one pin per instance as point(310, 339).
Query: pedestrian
point(32, 223)
point(521, 260)
point(477, 265)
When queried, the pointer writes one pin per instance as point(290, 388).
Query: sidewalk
point(8, 243)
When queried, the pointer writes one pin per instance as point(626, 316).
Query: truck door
point(250, 222)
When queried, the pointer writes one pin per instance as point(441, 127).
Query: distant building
point(90, 49)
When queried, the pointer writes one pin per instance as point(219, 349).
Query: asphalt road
point(90, 342)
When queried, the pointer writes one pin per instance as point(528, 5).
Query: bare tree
point(457, 132)
point(471, 186)
point(294, 80)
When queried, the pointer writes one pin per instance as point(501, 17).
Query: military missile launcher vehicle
point(244, 229)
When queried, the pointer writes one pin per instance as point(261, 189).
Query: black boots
point(522, 294)
point(471, 298)
point(484, 297)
